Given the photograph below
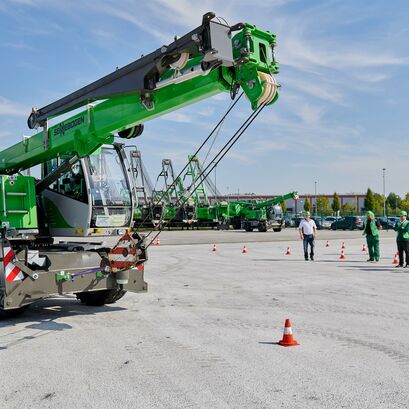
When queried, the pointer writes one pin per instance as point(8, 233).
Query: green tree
point(323, 205)
point(283, 206)
point(378, 209)
point(393, 201)
point(336, 205)
point(348, 209)
point(404, 205)
point(369, 202)
point(307, 204)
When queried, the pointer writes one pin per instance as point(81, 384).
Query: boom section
point(211, 59)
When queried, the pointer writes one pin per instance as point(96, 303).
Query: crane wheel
point(270, 88)
point(181, 62)
point(100, 297)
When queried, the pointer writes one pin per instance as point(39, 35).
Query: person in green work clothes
point(371, 231)
point(402, 238)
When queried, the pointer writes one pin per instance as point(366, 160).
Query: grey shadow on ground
point(42, 317)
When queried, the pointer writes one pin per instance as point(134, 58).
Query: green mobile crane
point(85, 188)
point(263, 215)
point(196, 182)
point(178, 207)
point(147, 213)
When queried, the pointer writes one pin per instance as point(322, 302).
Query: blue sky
point(342, 116)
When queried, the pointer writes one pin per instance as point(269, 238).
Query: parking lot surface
point(205, 335)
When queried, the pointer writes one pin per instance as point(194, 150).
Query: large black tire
point(236, 225)
point(100, 297)
point(277, 230)
point(9, 314)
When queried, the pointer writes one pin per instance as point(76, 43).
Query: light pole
point(316, 209)
point(384, 197)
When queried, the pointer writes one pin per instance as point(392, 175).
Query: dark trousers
point(308, 240)
point(373, 247)
point(403, 247)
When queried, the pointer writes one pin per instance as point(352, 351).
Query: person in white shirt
point(308, 233)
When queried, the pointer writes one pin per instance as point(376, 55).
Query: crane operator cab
point(94, 198)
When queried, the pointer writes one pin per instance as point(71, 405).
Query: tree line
point(394, 203)
point(373, 201)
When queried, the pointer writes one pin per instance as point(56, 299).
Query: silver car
point(326, 223)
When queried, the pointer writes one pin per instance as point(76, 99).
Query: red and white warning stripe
point(12, 272)
point(124, 254)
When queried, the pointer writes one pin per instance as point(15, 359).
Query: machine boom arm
point(204, 62)
point(276, 200)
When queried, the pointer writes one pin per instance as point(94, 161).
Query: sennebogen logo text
point(65, 126)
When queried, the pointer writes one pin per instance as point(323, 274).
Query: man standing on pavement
point(308, 233)
point(371, 231)
point(402, 238)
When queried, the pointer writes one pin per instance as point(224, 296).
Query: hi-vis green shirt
point(402, 230)
point(373, 226)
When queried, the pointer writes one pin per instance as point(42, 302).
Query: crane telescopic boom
point(210, 59)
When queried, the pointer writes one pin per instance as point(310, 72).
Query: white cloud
point(10, 108)
point(178, 117)
point(314, 86)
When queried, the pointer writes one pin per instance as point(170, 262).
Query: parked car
point(318, 222)
point(326, 223)
point(287, 221)
point(348, 223)
point(387, 222)
point(296, 221)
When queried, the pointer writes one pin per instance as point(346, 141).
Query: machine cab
point(94, 198)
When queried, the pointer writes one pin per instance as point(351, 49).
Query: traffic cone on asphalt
point(244, 251)
point(214, 248)
point(327, 245)
point(288, 340)
point(396, 260)
point(342, 256)
point(364, 248)
point(288, 252)
point(343, 246)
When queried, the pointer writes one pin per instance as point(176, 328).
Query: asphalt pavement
point(205, 335)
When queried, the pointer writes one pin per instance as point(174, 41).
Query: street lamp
point(316, 210)
point(384, 197)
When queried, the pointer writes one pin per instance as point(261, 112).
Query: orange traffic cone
point(288, 340)
point(288, 253)
point(364, 248)
point(395, 260)
point(343, 246)
point(342, 256)
point(327, 245)
point(214, 248)
point(244, 251)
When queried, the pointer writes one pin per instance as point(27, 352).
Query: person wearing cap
point(402, 238)
point(371, 231)
point(308, 234)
